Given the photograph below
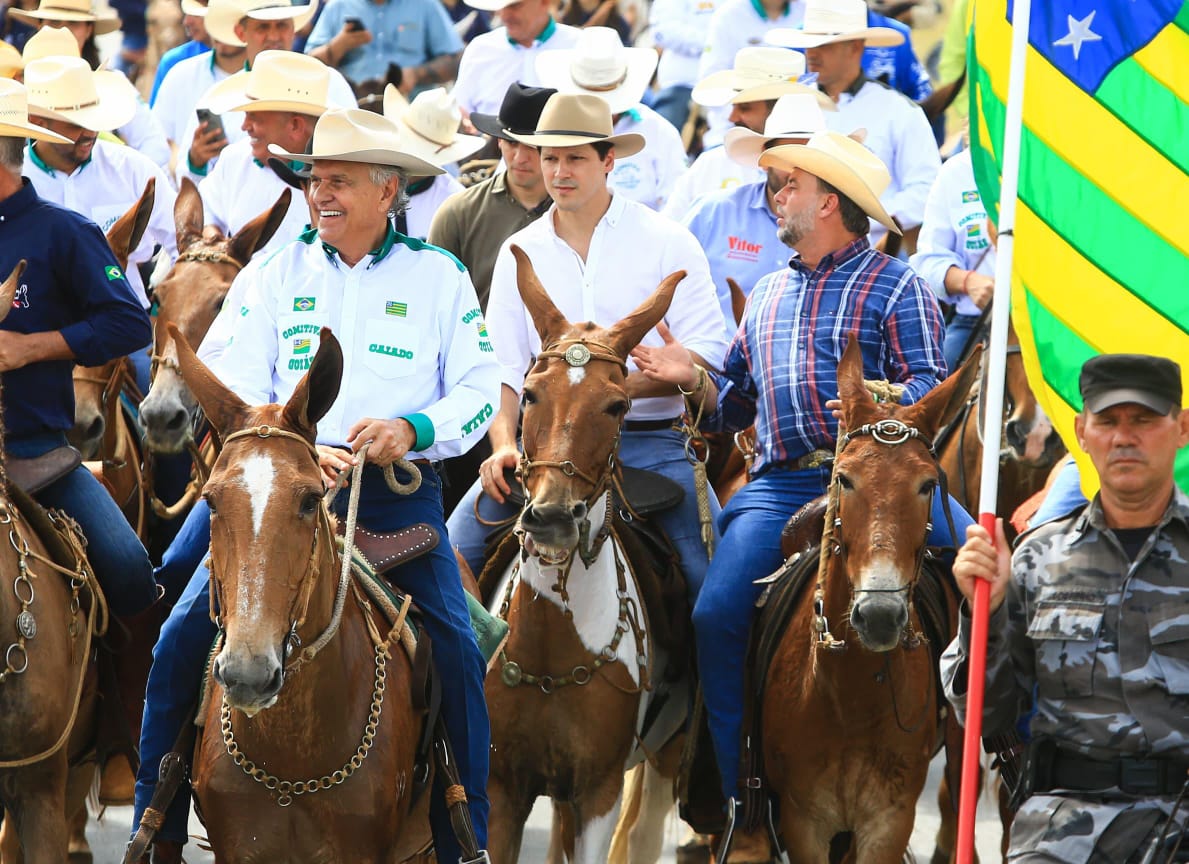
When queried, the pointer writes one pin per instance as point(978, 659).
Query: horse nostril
point(95, 430)
point(177, 421)
point(276, 680)
point(1014, 436)
point(579, 510)
point(857, 619)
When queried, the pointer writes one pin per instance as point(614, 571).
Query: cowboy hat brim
point(116, 105)
point(194, 8)
point(220, 21)
point(489, 124)
point(834, 171)
point(106, 22)
point(876, 37)
point(436, 154)
point(11, 61)
point(627, 144)
point(489, 5)
point(554, 69)
point(410, 164)
point(744, 147)
point(28, 130)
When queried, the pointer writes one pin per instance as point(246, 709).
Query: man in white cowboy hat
point(834, 37)
point(362, 37)
point(281, 98)
point(749, 89)
point(258, 25)
point(197, 42)
point(418, 360)
point(99, 179)
point(793, 316)
point(599, 65)
point(65, 39)
point(738, 227)
point(428, 130)
point(583, 250)
point(501, 57)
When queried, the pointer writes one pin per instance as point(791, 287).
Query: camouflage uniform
point(1105, 643)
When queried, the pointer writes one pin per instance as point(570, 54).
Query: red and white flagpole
point(995, 358)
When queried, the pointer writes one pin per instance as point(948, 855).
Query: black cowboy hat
point(519, 112)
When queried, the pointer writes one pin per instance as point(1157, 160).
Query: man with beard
point(781, 375)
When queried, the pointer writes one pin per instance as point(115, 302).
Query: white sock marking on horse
point(576, 374)
point(593, 840)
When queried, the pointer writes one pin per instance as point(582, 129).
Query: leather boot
point(163, 852)
point(131, 642)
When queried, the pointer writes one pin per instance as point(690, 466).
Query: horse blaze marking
point(258, 475)
point(473, 424)
point(575, 374)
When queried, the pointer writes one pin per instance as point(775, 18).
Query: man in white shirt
point(599, 255)
point(419, 379)
point(496, 60)
point(834, 38)
point(679, 29)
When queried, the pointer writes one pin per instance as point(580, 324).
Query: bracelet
point(699, 387)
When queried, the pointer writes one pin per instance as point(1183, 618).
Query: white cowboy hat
point(429, 126)
point(11, 61)
point(599, 64)
point(14, 115)
point(64, 11)
point(277, 81)
point(355, 135)
point(194, 7)
point(223, 15)
point(759, 74)
point(489, 5)
point(572, 119)
point(66, 89)
point(795, 116)
point(842, 162)
point(50, 42)
point(829, 21)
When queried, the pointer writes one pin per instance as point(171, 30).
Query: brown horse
point(849, 731)
point(276, 715)
point(47, 685)
point(574, 675)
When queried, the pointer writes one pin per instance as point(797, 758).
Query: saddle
point(37, 472)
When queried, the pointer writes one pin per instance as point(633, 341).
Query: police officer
point(1092, 613)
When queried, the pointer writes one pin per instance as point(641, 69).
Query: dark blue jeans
point(957, 332)
point(750, 526)
point(434, 582)
point(115, 552)
point(672, 103)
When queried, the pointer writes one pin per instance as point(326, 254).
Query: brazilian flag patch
point(113, 272)
point(970, 197)
point(303, 304)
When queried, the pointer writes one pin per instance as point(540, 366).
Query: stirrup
point(728, 833)
point(782, 856)
point(481, 858)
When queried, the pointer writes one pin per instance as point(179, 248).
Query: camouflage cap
point(1113, 379)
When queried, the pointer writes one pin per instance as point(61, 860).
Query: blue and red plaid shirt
point(782, 365)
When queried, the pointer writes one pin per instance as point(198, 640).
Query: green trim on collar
point(39, 162)
point(548, 32)
point(257, 162)
point(308, 236)
point(756, 5)
point(420, 245)
point(381, 252)
point(423, 426)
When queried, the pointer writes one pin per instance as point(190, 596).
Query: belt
point(651, 425)
point(814, 459)
point(1135, 776)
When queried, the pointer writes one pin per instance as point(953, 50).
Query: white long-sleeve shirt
point(491, 63)
point(679, 28)
point(631, 252)
point(414, 340)
point(180, 91)
point(650, 175)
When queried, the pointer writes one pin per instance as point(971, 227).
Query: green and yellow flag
point(1102, 224)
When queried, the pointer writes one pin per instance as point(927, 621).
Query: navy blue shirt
point(73, 284)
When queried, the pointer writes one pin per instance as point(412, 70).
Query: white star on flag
point(1079, 32)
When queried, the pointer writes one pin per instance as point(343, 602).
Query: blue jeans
point(957, 333)
point(672, 103)
point(115, 553)
point(1064, 496)
point(750, 525)
point(433, 580)
point(662, 451)
point(186, 551)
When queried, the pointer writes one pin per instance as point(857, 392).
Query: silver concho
point(511, 674)
point(577, 354)
point(27, 624)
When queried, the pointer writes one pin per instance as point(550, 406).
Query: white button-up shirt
point(680, 28)
point(103, 189)
point(954, 233)
point(414, 341)
point(180, 90)
point(491, 64)
point(650, 175)
point(631, 252)
point(713, 171)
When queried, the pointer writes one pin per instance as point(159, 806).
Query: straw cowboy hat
point(66, 89)
point(795, 116)
point(758, 74)
point(355, 135)
point(223, 15)
point(65, 11)
point(277, 81)
point(842, 162)
point(14, 115)
point(571, 119)
point(829, 21)
point(599, 64)
point(429, 126)
point(11, 61)
point(194, 7)
point(489, 5)
point(50, 42)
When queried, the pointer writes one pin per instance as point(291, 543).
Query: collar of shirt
point(391, 238)
point(759, 7)
point(542, 37)
point(18, 202)
point(611, 217)
point(1092, 515)
point(757, 198)
point(499, 186)
point(833, 259)
point(852, 92)
point(40, 163)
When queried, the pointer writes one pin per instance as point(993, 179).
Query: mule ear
point(857, 404)
point(548, 319)
point(318, 388)
point(226, 412)
point(941, 404)
point(188, 217)
point(627, 332)
point(125, 234)
point(259, 231)
point(9, 289)
point(738, 301)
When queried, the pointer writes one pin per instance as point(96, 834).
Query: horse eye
point(927, 487)
point(528, 397)
point(210, 503)
point(309, 504)
point(617, 409)
point(845, 481)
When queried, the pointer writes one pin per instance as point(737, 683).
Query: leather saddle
point(385, 551)
point(36, 473)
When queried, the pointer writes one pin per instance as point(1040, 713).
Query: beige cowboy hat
point(572, 119)
point(50, 42)
point(429, 126)
point(355, 135)
point(277, 81)
point(66, 89)
point(842, 162)
point(194, 7)
point(759, 74)
point(223, 15)
point(795, 116)
point(14, 115)
point(11, 61)
point(599, 64)
point(64, 11)
point(489, 5)
point(829, 21)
